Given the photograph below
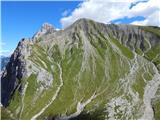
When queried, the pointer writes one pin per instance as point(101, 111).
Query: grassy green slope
point(108, 69)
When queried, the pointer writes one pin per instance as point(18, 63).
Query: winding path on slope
point(80, 108)
point(53, 98)
point(23, 94)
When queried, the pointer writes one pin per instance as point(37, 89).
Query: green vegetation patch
point(6, 115)
point(153, 52)
point(126, 51)
point(154, 30)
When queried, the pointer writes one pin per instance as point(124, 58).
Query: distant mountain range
point(88, 71)
point(4, 61)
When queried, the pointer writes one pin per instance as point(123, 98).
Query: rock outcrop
point(45, 29)
point(87, 71)
point(15, 71)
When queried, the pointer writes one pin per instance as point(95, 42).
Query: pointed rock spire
point(46, 28)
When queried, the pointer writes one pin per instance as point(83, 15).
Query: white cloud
point(152, 20)
point(2, 43)
point(107, 10)
point(66, 12)
point(4, 52)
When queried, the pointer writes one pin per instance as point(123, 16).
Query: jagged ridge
point(106, 71)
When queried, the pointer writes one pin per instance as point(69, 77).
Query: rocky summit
point(88, 71)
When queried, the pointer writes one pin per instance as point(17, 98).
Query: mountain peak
point(46, 28)
point(83, 21)
point(104, 71)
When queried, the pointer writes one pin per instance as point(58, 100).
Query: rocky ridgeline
point(17, 68)
point(15, 71)
point(45, 29)
point(72, 70)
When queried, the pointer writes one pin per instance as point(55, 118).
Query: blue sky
point(126, 20)
point(22, 19)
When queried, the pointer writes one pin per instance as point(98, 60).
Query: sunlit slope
point(91, 71)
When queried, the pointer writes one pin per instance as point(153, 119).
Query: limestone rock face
point(15, 70)
point(88, 71)
point(45, 29)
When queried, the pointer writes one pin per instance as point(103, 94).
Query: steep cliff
point(87, 71)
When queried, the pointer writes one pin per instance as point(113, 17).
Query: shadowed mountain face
point(88, 71)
